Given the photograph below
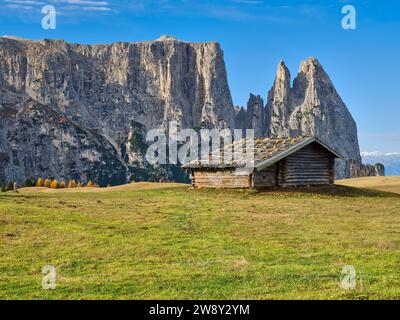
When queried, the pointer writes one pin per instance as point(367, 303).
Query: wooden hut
point(300, 161)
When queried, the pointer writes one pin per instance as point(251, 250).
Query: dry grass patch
point(388, 184)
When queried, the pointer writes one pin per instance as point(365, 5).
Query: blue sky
point(255, 34)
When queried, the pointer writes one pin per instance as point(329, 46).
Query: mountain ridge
point(391, 161)
point(108, 90)
point(310, 106)
point(113, 94)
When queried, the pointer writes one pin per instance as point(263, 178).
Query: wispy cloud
point(71, 7)
point(96, 8)
point(233, 10)
point(85, 8)
point(248, 1)
point(86, 2)
point(379, 154)
point(18, 6)
point(24, 2)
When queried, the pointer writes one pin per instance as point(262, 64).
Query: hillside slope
point(389, 184)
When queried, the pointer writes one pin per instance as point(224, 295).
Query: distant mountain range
point(391, 161)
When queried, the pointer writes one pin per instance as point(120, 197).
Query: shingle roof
point(267, 151)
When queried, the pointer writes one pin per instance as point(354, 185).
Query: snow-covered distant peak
point(379, 154)
point(371, 154)
point(392, 154)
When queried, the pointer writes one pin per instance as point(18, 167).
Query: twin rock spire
point(311, 106)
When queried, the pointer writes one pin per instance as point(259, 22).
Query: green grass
point(177, 243)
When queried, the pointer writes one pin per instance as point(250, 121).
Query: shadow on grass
point(332, 190)
point(324, 191)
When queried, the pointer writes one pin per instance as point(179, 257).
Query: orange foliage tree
point(54, 184)
point(71, 184)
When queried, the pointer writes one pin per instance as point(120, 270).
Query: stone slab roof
point(267, 151)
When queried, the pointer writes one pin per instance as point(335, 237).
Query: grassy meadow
point(167, 241)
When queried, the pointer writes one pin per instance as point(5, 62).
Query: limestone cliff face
point(256, 115)
point(278, 103)
point(253, 117)
point(37, 141)
point(106, 95)
point(366, 170)
point(312, 107)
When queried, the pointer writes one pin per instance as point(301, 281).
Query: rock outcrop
point(379, 170)
point(72, 109)
point(312, 107)
point(278, 104)
point(390, 161)
point(254, 117)
point(366, 170)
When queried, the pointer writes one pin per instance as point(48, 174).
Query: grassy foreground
point(156, 241)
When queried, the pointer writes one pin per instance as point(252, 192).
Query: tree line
point(49, 183)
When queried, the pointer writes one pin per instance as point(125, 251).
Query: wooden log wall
point(311, 165)
point(219, 178)
point(265, 178)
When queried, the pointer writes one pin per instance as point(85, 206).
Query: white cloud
point(18, 7)
point(371, 153)
point(392, 154)
point(25, 2)
point(379, 154)
point(96, 8)
point(79, 6)
point(234, 10)
point(248, 1)
point(87, 2)
point(84, 8)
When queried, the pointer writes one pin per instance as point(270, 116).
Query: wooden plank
point(308, 166)
point(223, 178)
point(266, 177)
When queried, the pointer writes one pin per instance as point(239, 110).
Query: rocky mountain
point(253, 117)
point(391, 161)
point(74, 111)
point(80, 111)
point(311, 107)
